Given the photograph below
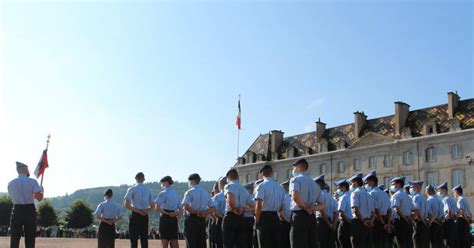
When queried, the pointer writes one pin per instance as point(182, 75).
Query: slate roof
point(384, 126)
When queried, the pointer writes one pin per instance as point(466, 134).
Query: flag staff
point(238, 128)
point(47, 145)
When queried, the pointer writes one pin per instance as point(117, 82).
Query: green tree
point(6, 206)
point(79, 215)
point(46, 214)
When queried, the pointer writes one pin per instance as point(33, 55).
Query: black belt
point(169, 211)
point(24, 205)
point(195, 216)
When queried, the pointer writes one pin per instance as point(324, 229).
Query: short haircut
point(303, 163)
point(373, 178)
point(267, 171)
point(431, 191)
point(140, 176)
point(358, 180)
point(345, 185)
point(232, 174)
point(459, 191)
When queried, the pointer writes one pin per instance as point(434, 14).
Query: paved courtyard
point(77, 243)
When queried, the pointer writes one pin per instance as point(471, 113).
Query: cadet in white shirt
point(464, 218)
point(23, 190)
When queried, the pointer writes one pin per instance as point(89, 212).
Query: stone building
point(433, 144)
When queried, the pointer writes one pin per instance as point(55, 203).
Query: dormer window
point(260, 157)
point(341, 145)
point(430, 128)
point(323, 147)
point(290, 152)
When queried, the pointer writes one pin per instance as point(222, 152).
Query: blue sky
point(153, 86)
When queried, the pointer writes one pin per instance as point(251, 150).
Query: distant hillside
point(95, 195)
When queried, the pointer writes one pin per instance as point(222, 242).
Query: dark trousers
point(106, 235)
point(464, 235)
point(360, 234)
point(379, 237)
point(436, 235)
point(233, 231)
point(449, 233)
point(344, 234)
point(195, 232)
point(268, 230)
point(403, 233)
point(249, 223)
point(324, 234)
point(285, 234)
point(210, 232)
point(303, 232)
point(421, 235)
point(138, 228)
point(23, 219)
point(217, 233)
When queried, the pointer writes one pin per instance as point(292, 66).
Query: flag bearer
point(285, 216)
point(237, 198)
point(420, 210)
point(305, 200)
point(108, 213)
point(402, 207)
point(138, 199)
point(23, 190)
point(198, 205)
point(450, 215)
point(168, 205)
point(269, 202)
point(464, 218)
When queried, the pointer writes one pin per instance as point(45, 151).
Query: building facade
point(433, 144)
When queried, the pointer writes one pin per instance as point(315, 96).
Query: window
point(340, 167)
point(456, 151)
point(458, 176)
point(357, 165)
point(257, 175)
point(322, 169)
point(372, 162)
point(249, 178)
point(407, 158)
point(430, 154)
point(387, 160)
point(275, 175)
point(432, 178)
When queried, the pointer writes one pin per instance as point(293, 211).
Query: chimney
point(401, 115)
point(276, 140)
point(453, 101)
point(320, 129)
point(360, 121)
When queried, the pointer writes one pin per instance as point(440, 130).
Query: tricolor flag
point(237, 121)
point(42, 164)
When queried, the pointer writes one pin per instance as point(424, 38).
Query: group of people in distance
point(299, 213)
